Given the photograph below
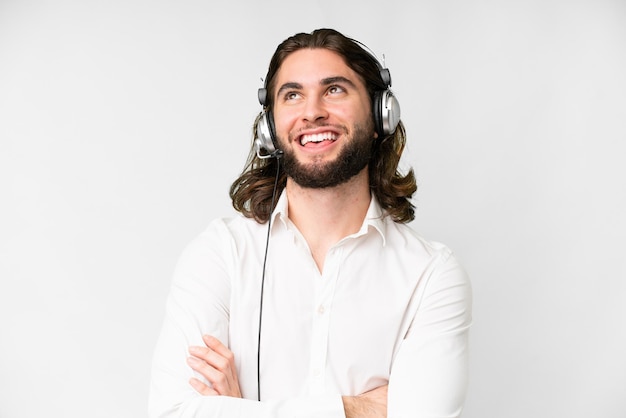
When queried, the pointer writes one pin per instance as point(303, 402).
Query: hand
point(372, 404)
point(217, 364)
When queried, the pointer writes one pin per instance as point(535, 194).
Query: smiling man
point(326, 117)
point(320, 300)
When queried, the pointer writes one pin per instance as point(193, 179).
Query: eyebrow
point(288, 86)
point(324, 82)
point(338, 79)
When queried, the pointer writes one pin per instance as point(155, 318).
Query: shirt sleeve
point(429, 377)
point(197, 304)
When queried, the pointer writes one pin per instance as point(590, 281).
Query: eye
point(335, 89)
point(291, 95)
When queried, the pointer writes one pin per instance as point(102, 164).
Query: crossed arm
point(428, 375)
point(217, 364)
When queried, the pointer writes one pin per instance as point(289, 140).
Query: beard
point(354, 157)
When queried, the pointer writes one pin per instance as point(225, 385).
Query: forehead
point(313, 65)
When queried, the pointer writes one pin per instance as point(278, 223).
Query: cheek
point(284, 123)
point(359, 113)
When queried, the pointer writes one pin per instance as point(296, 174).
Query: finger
point(202, 388)
point(222, 372)
point(217, 346)
point(217, 355)
point(218, 379)
point(225, 362)
point(211, 357)
point(205, 369)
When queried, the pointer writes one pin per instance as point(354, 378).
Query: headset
point(385, 111)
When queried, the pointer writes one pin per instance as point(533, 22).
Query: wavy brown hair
point(252, 192)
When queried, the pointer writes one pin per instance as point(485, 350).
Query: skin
point(317, 93)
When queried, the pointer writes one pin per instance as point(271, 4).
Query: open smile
point(318, 137)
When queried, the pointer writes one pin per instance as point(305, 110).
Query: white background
point(123, 123)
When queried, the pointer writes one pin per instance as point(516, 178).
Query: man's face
point(323, 120)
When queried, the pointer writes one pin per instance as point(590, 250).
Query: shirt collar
point(281, 210)
point(375, 216)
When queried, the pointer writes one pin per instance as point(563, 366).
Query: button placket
point(325, 290)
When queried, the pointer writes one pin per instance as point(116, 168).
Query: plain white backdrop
point(123, 123)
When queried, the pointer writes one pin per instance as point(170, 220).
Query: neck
point(325, 216)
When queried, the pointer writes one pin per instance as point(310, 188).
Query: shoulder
point(223, 232)
point(430, 257)
point(214, 255)
point(445, 280)
point(403, 236)
point(220, 237)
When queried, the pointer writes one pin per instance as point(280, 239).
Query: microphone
point(263, 152)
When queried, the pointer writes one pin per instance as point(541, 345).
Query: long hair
point(251, 193)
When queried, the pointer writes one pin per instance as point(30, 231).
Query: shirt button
point(321, 310)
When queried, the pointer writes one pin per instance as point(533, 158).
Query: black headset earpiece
point(264, 143)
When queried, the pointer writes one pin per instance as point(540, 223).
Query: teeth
point(324, 136)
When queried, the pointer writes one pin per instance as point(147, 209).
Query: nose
point(314, 110)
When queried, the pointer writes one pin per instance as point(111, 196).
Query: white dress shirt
point(389, 307)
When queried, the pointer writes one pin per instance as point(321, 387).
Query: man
point(320, 301)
